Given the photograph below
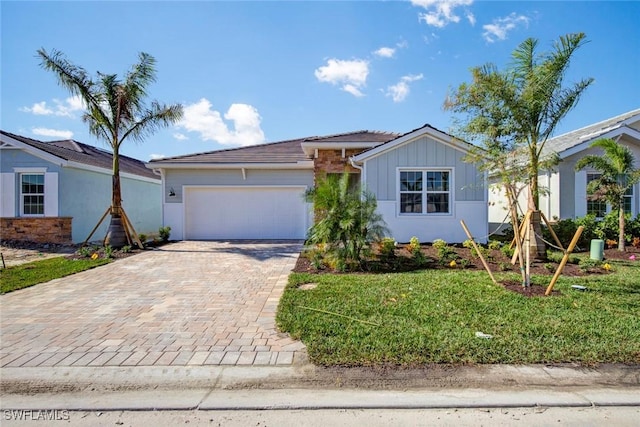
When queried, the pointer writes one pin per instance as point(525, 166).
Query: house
point(566, 188)
point(257, 192)
point(56, 192)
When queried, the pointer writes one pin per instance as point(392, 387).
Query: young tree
point(115, 111)
point(618, 175)
point(513, 112)
point(346, 218)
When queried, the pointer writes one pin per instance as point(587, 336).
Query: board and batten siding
point(381, 176)
point(468, 187)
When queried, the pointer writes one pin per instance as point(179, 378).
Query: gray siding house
point(567, 188)
point(57, 191)
point(422, 186)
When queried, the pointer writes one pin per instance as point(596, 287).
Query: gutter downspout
point(363, 178)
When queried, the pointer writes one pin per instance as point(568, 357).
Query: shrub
point(346, 219)
point(445, 253)
point(143, 238)
point(588, 264)
point(164, 233)
point(388, 248)
point(507, 251)
point(85, 251)
point(108, 251)
point(414, 245)
point(126, 249)
point(494, 245)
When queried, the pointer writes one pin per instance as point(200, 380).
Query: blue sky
point(254, 72)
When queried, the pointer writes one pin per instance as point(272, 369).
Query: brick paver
point(187, 303)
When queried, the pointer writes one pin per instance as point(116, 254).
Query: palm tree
point(517, 110)
point(617, 177)
point(346, 218)
point(115, 111)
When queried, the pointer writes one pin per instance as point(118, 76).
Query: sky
point(254, 72)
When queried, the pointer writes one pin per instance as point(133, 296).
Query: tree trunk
point(621, 225)
point(116, 236)
point(537, 247)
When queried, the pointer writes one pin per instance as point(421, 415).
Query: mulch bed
point(496, 260)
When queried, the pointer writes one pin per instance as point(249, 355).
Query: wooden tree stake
point(486, 266)
point(565, 258)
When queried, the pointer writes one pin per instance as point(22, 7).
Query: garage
point(244, 212)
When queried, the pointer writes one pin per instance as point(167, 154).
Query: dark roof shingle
point(78, 152)
point(289, 151)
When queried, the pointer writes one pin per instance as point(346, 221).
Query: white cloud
point(156, 156)
point(440, 13)
point(65, 108)
point(350, 75)
point(39, 109)
point(385, 52)
point(400, 90)
point(501, 26)
point(180, 136)
point(471, 18)
point(201, 118)
point(54, 133)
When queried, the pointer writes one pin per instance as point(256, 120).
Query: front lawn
point(433, 316)
point(25, 275)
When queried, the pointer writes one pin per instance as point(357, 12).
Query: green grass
point(25, 275)
point(432, 316)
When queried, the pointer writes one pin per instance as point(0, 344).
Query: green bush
point(388, 247)
point(164, 233)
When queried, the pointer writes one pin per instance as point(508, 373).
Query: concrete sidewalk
point(310, 387)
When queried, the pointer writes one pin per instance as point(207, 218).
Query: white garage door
point(245, 213)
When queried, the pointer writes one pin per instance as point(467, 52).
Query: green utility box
point(597, 249)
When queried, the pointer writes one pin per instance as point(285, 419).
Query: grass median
point(461, 317)
point(25, 275)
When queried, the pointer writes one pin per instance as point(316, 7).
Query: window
point(628, 199)
point(32, 194)
point(425, 192)
point(595, 207)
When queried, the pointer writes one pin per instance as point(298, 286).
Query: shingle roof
point(78, 152)
point(289, 151)
point(569, 140)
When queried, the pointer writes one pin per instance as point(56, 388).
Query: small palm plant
point(346, 218)
point(618, 175)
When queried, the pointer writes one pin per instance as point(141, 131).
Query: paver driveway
point(188, 303)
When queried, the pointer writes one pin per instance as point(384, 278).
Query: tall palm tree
point(115, 110)
point(618, 175)
point(518, 109)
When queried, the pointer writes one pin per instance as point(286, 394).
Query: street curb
point(296, 399)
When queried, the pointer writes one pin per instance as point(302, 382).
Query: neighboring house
point(566, 188)
point(56, 192)
point(257, 192)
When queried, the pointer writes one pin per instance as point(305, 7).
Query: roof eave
point(304, 164)
point(619, 131)
point(310, 147)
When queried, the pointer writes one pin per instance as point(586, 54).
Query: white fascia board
point(33, 151)
point(310, 147)
point(410, 137)
point(611, 134)
point(307, 164)
point(109, 172)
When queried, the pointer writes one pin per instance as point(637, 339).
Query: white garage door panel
point(245, 213)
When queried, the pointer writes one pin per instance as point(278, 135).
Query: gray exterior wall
point(176, 178)
point(85, 195)
point(381, 171)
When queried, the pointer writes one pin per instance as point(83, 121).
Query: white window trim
point(424, 192)
point(609, 208)
point(21, 200)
